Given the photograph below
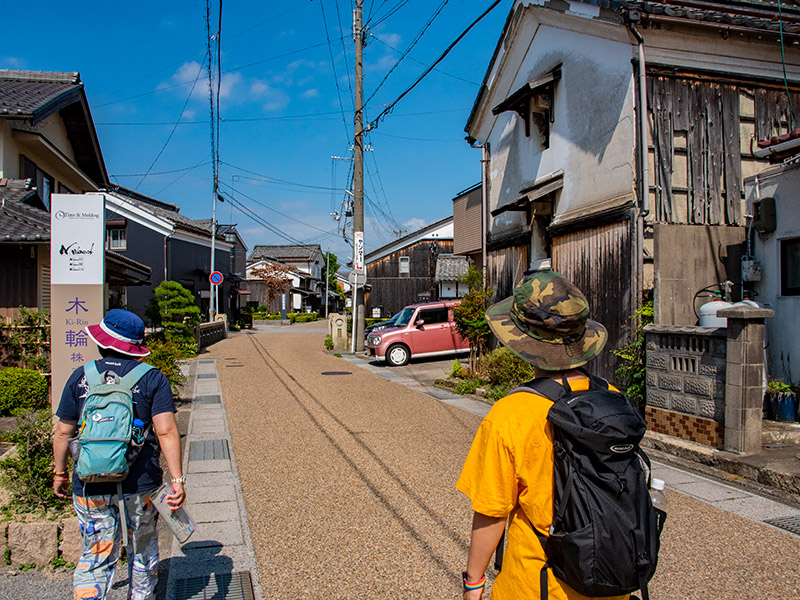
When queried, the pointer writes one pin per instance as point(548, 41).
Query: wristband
point(470, 586)
point(181, 479)
point(59, 472)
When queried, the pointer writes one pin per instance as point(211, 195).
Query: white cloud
point(312, 93)
point(228, 83)
point(188, 114)
point(414, 224)
point(391, 39)
point(11, 61)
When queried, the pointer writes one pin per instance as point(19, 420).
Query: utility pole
point(358, 182)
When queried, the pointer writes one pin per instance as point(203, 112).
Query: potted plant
point(781, 400)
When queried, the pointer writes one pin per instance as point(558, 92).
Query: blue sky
point(282, 116)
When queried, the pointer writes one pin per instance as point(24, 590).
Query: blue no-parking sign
point(215, 278)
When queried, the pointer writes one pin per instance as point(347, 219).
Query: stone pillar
point(337, 325)
point(744, 377)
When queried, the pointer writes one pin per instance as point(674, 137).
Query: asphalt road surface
point(349, 481)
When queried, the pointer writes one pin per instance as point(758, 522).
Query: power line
point(389, 108)
point(182, 83)
point(419, 62)
point(270, 179)
point(391, 12)
point(201, 164)
point(335, 75)
point(172, 65)
point(270, 208)
point(261, 221)
point(170, 184)
point(413, 43)
point(171, 133)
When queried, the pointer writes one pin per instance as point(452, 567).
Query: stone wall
point(686, 369)
point(39, 543)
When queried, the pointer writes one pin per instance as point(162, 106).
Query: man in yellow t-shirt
point(508, 474)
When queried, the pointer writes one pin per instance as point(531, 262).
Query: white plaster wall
point(783, 332)
point(593, 135)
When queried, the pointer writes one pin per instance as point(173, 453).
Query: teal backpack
point(105, 426)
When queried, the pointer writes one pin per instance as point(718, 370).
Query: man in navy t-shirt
point(119, 338)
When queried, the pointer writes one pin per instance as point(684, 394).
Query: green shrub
point(262, 309)
point(503, 367)
point(302, 317)
point(328, 342)
point(28, 476)
point(24, 389)
point(632, 369)
point(29, 340)
point(468, 385)
point(179, 314)
point(165, 355)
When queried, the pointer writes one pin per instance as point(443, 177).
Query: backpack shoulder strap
point(92, 374)
point(544, 386)
point(135, 374)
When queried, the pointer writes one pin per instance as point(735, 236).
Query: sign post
point(77, 282)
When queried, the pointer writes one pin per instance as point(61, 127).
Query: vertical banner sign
point(358, 251)
point(77, 282)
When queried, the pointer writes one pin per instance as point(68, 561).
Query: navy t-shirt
point(151, 396)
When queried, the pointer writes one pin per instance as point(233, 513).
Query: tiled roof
point(450, 267)
point(285, 253)
point(752, 14)
point(163, 210)
point(36, 94)
point(19, 221)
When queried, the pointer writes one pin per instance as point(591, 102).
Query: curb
point(774, 473)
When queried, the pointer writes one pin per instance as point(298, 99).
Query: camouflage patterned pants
point(99, 522)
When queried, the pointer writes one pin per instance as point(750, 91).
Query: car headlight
point(374, 340)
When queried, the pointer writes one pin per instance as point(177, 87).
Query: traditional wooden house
point(48, 145)
point(175, 247)
point(403, 272)
point(306, 285)
point(616, 136)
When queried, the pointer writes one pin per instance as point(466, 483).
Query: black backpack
point(605, 536)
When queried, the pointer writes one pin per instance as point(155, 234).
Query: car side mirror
point(419, 324)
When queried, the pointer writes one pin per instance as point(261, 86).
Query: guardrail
point(210, 333)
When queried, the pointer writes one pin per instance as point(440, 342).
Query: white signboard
point(77, 235)
point(358, 250)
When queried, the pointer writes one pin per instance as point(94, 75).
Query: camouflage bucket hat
point(546, 323)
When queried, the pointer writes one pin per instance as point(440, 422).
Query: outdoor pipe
point(643, 152)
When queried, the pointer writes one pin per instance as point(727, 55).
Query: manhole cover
point(217, 586)
point(791, 524)
point(209, 450)
point(337, 372)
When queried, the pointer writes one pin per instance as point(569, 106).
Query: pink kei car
point(420, 330)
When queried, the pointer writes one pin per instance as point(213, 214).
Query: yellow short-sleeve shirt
point(509, 470)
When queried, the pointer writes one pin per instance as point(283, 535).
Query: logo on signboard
point(74, 248)
point(63, 214)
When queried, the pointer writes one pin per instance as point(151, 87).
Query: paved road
point(349, 484)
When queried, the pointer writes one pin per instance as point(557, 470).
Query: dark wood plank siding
point(390, 292)
point(506, 268)
point(599, 261)
point(18, 278)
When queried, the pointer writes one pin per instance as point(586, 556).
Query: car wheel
point(397, 355)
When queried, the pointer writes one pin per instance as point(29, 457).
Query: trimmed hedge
point(22, 389)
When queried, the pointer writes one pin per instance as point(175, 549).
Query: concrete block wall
point(686, 371)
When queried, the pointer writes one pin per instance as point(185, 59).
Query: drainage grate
point(791, 524)
point(206, 362)
point(337, 372)
point(207, 376)
point(209, 450)
point(206, 400)
point(217, 586)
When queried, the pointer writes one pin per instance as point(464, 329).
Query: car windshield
point(403, 317)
